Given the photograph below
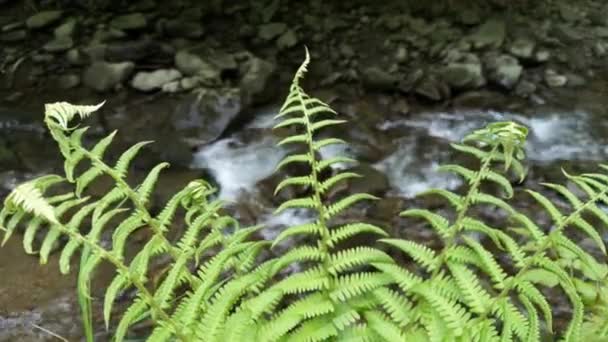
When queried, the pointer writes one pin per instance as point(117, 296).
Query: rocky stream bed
point(204, 82)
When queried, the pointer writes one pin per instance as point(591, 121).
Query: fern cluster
point(219, 283)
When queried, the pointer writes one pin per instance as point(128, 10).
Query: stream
point(34, 298)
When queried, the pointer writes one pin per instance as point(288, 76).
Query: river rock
point(59, 44)
point(503, 70)
point(287, 40)
point(13, 36)
point(182, 28)
point(432, 89)
point(137, 50)
point(467, 74)
point(523, 48)
point(271, 31)
point(129, 22)
point(372, 181)
point(375, 78)
point(490, 34)
point(206, 115)
point(555, 80)
point(148, 81)
point(66, 29)
point(254, 83)
point(43, 19)
point(68, 81)
point(194, 65)
point(104, 76)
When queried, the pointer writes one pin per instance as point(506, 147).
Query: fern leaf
point(292, 181)
point(62, 112)
point(454, 199)
point(352, 285)
point(500, 180)
point(348, 259)
point(462, 171)
point(404, 278)
point(29, 197)
point(313, 228)
point(420, 253)
point(344, 232)
point(336, 208)
point(556, 215)
point(294, 158)
point(296, 203)
point(476, 296)
point(329, 162)
point(440, 224)
point(122, 165)
point(332, 181)
point(318, 145)
point(146, 187)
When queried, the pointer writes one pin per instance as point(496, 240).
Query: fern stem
point(457, 225)
point(324, 243)
point(121, 267)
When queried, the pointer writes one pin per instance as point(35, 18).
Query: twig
point(50, 332)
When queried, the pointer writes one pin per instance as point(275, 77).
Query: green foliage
point(485, 283)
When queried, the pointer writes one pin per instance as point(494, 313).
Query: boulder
point(129, 22)
point(59, 44)
point(503, 70)
point(148, 81)
point(376, 78)
point(43, 19)
point(466, 74)
point(206, 115)
point(104, 76)
point(192, 64)
point(182, 28)
point(271, 31)
point(66, 29)
point(523, 48)
point(555, 80)
point(287, 40)
point(432, 89)
point(255, 74)
point(490, 34)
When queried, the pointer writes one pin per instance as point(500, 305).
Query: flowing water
point(238, 162)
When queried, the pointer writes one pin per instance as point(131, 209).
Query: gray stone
point(555, 80)
point(287, 40)
point(13, 36)
point(523, 48)
point(467, 74)
point(183, 28)
point(525, 88)
point(503, 70)
point(568, 12)
point(542, 56)
point(68, 81)
point(271, 31)
point(401, 54)
point(128, 22)
point(431, 89)
point(575, 80)
point(491, 34)
point(103, 76)
point(148, 81)
point(191, 64)
point(66, 29)
point(59, 44)
point(256, 74)
point(206, 115)
point(600, 49)
point(43, 19)
point(189, 83)
point(375, 78)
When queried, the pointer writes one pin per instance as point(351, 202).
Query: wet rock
point(148, 81)
point(182, 28)
point(271, 31)
point(59, 44)
point(575, 80)
point(542, 56)
point(66, 29)
point(503, 70)
point(194, 65)
point(567, 33)
point(523, 48)
point(491, 34)
point(555, 80)
point(129, 22)
point(375, 78)
point(411, 79)
point(43, 19)
point(68, 81)
point(137, 50)
point(206, 115)
point(432, 89)
point(372, 181)
point(568, 12)
point(525, 88)
point(466, 74)
point(103, 76)
point(255, 76)
point(287, 40)
point(13, 36)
